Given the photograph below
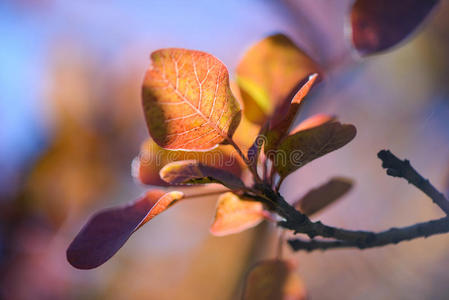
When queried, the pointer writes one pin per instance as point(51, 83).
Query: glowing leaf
point(107, 231)
point(274, 280)
point(187, 100)
point(268, 74)
point(313, 121)
point(324, 195)
point(234, 215)
point(303, 146)
point(281, 128)
point(381, 24)
point(188, 172)
point(152, 158)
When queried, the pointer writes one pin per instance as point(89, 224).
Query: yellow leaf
point(268, 73)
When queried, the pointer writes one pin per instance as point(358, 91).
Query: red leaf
point(324, 195)
point(381, 24)
point(107, 231)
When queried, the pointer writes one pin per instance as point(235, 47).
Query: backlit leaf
point(313, 121)
point(187, 172)
point(234, 215)
point(268, 74)
point(381, 24)
point(274, 280)
point(303, 146)
point(152, 158)
point(281, 128)
point(324, 195)
point(187, 100)
point(107, 231)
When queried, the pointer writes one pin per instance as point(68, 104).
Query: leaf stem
point(246, 160)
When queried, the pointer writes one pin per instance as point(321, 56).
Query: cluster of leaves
point(199, 135)
point(189, 106)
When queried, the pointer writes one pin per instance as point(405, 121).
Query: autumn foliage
point(207, 129)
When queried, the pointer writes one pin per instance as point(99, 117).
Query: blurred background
point(71, 123)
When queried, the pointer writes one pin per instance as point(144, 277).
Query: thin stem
point(403, 169)
point(246, 160)
point(264, 168)
point(278, 184)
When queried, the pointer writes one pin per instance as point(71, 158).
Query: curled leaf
point(324, 195)
point(303, 146)
point(152, 158)
point(188, 172)
point(381, 24)
point(107, 231)
point(187, 100)
point(274, 280)
point(268, 73)
point(234, 215)
point(281, 128)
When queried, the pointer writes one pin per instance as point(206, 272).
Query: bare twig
point(402, 168)
point(343, 238)
point(371, 240)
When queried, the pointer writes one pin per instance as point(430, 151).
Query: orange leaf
point(313, 121)
point(234, 215)
point(187, 172)
point(187, 100)
point(324, 195)
point(152, 158)
point(107, 231)
point(274, 280)
point(268, 74)
point(381, 24)
point(303, 146)
point(281, 128)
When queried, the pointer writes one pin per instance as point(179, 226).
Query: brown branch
point(371, 240)
point(300, 223)
point(402, 168)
